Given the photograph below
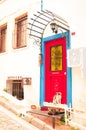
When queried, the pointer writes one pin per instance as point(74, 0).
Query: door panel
point(55, 68)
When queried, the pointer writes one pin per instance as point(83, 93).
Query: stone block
point(38, 123)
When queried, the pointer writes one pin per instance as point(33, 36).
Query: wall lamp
point(54, 27)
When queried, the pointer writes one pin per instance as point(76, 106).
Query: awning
point(41, 20)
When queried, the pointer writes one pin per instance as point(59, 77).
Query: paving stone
point(38, 123)
point(9, 121)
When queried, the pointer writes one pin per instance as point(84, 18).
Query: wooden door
point(55, 69)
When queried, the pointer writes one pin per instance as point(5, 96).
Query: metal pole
point(41, 4)
point(53, 122)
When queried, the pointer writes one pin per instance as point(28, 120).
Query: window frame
point(3, 37)
point(56, 60)
point(20, 37)
point(1, 1)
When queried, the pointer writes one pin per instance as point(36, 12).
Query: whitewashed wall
point(73, 11)
point(22, 61)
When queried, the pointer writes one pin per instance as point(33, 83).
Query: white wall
point(79, 89)
point(73, 11)
point(21, 62)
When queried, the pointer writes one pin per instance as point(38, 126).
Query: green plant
point(64, 118)
point(5, 89)
point(73, 128)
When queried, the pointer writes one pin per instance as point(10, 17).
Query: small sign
point(27, 81)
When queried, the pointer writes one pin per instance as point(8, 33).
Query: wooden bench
point(45, 113)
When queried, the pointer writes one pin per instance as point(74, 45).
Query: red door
point(55, 69)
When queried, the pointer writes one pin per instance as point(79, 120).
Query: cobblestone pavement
point(9, 121)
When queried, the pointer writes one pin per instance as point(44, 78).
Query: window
point(1, 1)
point(20, 33)
point(15, 87)
point(56, 58)
point(3, 31)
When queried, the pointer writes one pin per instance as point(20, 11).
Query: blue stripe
point(41, 4)
point(69, 75)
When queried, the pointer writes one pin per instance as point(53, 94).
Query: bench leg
point(53, 122)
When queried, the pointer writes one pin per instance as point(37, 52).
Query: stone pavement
point(10, 121)
point(19, 109)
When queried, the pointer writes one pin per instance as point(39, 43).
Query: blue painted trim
point(41, 4)
point(42, 79)
point(69, 75)
point(69, 87)
point(42, 69)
